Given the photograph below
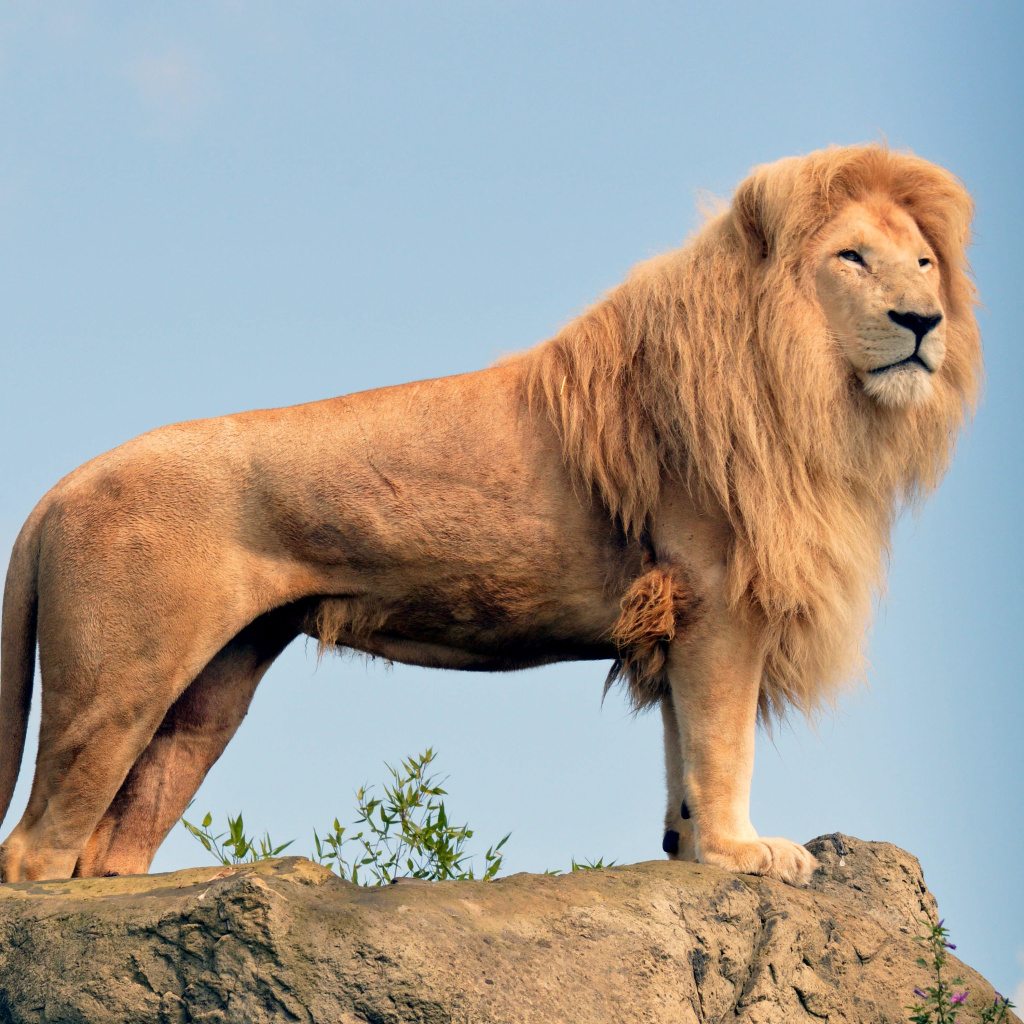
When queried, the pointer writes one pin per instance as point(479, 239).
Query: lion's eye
point(924, 262)
point(851, 256)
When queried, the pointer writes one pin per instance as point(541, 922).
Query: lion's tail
point(18, 653)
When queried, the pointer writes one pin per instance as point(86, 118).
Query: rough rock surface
point(286, 940)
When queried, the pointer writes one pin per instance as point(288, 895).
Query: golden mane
point(713, 364)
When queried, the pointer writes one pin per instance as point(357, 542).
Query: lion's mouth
point(911, 360)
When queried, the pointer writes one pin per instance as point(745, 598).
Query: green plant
point(237, 847)
point(940, 1002)
point(405, 833)
point(587, 865)
point(591, 865)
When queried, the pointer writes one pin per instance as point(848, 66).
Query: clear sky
point(213, 207)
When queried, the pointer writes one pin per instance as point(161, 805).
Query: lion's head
point(878, 282)
point(872, 245)
point(804, 364)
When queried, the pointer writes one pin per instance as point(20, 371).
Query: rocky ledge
point(287, 940)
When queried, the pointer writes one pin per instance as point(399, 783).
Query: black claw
point(670, 844)
point(684, 812)
point(112, 874)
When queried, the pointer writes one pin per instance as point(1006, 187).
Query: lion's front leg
point(677, 841)
point(714, 689)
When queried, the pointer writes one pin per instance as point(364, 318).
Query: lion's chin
point(899, 388)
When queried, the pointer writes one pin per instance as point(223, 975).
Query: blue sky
point(207, 208)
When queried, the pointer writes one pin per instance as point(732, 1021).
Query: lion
point(695, 479)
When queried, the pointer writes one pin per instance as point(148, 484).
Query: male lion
point(696, 478)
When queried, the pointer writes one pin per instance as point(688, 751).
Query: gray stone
point(656, 942)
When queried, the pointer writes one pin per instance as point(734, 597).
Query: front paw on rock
point(773, 858)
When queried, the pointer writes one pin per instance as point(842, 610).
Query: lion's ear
point(749, 216)
point(771, 206)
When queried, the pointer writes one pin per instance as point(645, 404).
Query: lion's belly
point(434, 655)
point(471, 621)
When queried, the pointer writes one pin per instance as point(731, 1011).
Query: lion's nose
point(920, 325)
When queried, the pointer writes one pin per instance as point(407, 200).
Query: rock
point(655, 942)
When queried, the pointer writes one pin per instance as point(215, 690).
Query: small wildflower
point(920, 994)
point(958, 997)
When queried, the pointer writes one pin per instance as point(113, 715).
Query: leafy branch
point(406, 833)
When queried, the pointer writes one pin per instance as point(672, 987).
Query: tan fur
point(695, 479)
point(714, 364)
point(656, 606)
point(343, 623)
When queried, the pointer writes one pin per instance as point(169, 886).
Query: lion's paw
point(791, 862)
point(774, 858)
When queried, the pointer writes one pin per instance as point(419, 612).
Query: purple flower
point(958, 997)
point(919, 994)
point(950, 945)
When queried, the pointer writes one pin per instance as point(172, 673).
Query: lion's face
point(877, 281)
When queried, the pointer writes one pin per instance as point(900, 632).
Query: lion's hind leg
point(96, 720)
point(116, 650)
point(189, 740)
